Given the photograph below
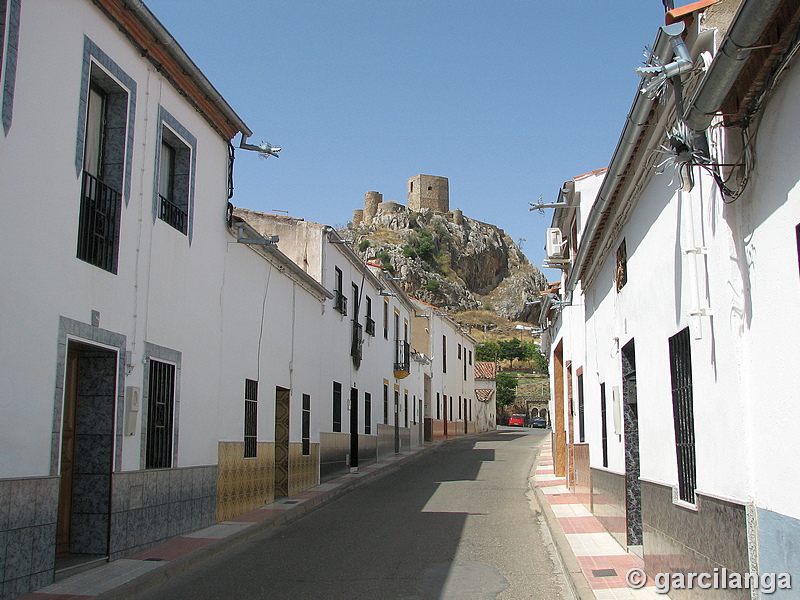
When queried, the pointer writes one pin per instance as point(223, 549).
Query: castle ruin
point(425, 192)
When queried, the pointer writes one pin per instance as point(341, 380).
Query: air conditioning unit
point(554, 246)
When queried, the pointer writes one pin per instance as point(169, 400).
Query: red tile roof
point(485, 370)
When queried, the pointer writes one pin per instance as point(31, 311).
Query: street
point(455, 524)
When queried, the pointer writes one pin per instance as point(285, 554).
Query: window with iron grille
point(405, 409)
point(680, 359)
point(160, 409)
point(438, 406)
point(603, 424)
point(386, 319)
point(250, 418)
point(797, 234)
point(367, 413)
point(369, 324)
point(622, 266)
point(444, 354)
point(581, 421)
point(337, 406)
point(385, 404)
point(339, 299)
point(175, 172)
point(306, 425)
point(101, 198)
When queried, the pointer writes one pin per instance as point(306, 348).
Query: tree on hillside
point(487, 352)
point(511, 349)
point(534, 354)
point(506, 388)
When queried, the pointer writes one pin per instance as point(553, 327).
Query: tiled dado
point(154, 505)
point(582, 481)
point(28, 515)
point(608, 503)
point(244, 484)
point(303, 470)
point(678, 539)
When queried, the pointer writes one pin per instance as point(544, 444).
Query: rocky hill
point(449, 260)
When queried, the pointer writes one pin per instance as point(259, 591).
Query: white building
point(680, 338)
point(449, 383)
point(117, 147)
point(486, 395)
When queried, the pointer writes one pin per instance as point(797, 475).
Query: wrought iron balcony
point(370, 326)
point(98, 225)
point(340, 302)
point(173, 214)
point(402, 359)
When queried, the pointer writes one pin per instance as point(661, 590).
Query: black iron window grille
point(337, 406)
point(402, 356)
point(385, 404)
point(250, 418)
point(340, 302)
point(680, 359)
point(369, 326)
point(306, 425)
point(581, 419)
point(160, 410)
point(604, 424)
point(173, 214)
point(367, 413)
point(98, 225)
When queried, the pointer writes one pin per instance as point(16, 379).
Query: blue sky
point(507, 99)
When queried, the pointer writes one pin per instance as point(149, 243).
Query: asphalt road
point(456, 524)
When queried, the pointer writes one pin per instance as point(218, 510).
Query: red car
point(518, 420)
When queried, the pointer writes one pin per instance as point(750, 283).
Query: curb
point(575, 577)
point(176, 567)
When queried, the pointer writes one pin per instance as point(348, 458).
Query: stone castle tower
point(425, 192)
point(429, 192)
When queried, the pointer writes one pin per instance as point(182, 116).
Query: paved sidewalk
point(599, 564)
point(131, 575)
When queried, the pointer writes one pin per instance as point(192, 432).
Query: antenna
point(265, 149)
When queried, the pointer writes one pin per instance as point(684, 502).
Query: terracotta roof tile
point(485, 370)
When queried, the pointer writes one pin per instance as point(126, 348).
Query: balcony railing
point(340, 302)
point(402, 356)
point(370, 326)
point(98, 225)
point(173, 214)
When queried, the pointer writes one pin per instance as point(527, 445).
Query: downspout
point(747, 27)
point(637, 117)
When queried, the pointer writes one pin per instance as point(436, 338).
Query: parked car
point(539, 422)
point(517, 420)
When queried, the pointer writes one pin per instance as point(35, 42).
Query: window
point(581, 422)
point(367, 413)
point(405, 409)
point(250, 418)
point(603, 424)
point(386, 319)
point(414, 410)
point(337, 406)
point(459, 352)
point(306, 425)
point(160, 409)
point(339, 299)
point(470, 357)
point(9, 42)
point(444, 354)
point(385, 403)
point(369, 325)
point(175, 158)
point(622, 266)
point(396, 408)
point(438, 406)
point(797, 234)
point(450, 408)
point(459, 408)
point(680, 362)
point(103, 153)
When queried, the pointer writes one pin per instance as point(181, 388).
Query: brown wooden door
point(67, 456)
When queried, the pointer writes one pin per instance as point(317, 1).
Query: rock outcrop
point(450, 260)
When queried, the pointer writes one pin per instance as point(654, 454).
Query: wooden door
point(67, 455)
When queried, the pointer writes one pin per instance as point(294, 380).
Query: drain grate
point(604, 573)
point(290, 501)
